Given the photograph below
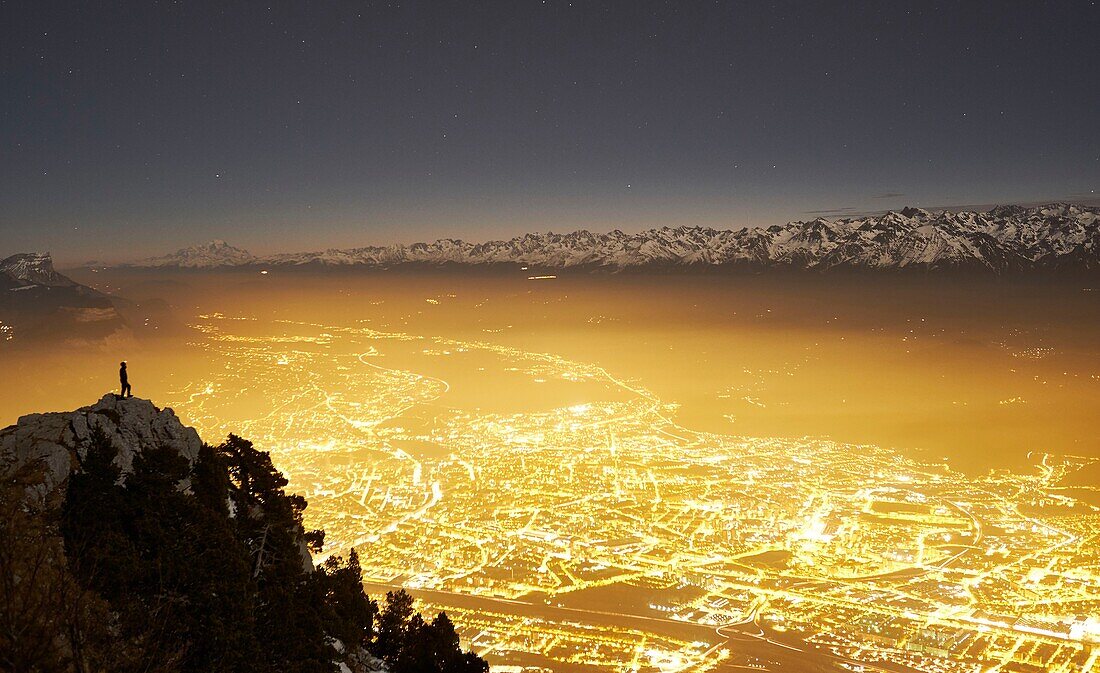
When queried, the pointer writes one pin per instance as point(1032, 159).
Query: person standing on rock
point(124, 380)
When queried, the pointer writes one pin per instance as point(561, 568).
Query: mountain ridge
point(33, 268)
point(1004, 239)
point(37, 302)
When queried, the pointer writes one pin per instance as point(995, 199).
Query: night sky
point(136, 128)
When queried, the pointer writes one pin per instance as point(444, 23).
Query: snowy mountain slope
point(213, 254)
point(38, 303)
point(33, 268)
point(1003, 240)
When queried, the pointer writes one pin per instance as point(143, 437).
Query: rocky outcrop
point(58, 439)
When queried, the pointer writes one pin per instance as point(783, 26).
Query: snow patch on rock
point(1003, 240)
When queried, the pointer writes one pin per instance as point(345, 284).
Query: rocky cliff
point(59, 438)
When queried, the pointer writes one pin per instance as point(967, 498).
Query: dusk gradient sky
point(136, 128)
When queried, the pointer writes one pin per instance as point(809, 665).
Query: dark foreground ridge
point(129, 544)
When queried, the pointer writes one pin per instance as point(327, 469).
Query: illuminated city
point(549, 337)
point(602, 535)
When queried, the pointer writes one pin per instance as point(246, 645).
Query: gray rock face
point(57, 439)
point(33, 268)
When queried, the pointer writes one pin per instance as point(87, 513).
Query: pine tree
point(204, 568)
point(393, 626)
point(352, 613)
point(210, 480)
point(93, 521)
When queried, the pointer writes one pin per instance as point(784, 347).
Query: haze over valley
point(608, 468)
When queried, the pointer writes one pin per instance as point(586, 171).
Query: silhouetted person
point(124, 380)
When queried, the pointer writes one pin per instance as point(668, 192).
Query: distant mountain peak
point(37, 303)
point(33, 268)
point(216, 253)
point(910, 211)
point(1005, 239)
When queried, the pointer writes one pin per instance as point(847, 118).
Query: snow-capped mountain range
point(1003, 240)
